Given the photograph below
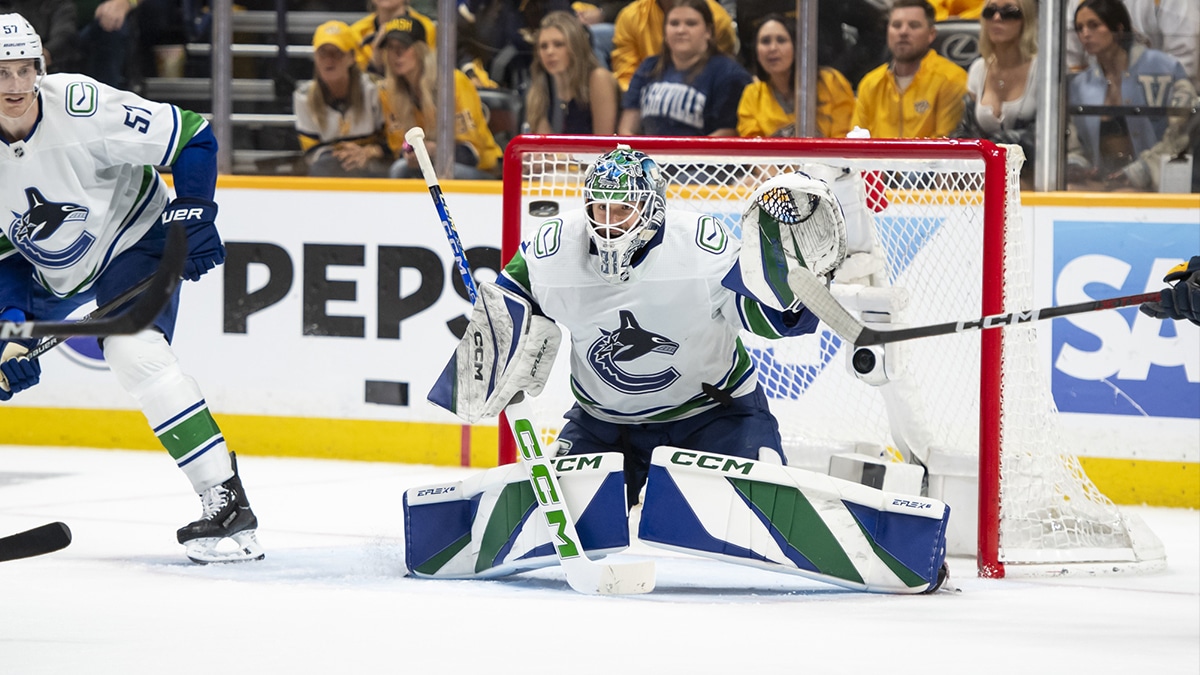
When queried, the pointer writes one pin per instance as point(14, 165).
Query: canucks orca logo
point(628, 343)
point(42, 221)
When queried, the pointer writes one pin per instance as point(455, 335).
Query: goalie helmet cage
point(947, 219)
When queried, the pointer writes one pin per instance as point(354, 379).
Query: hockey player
point(89, 220)
point(654, 301)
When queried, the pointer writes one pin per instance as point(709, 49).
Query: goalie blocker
point(506, 350)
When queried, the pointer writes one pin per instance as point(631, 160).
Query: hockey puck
point(864, 361)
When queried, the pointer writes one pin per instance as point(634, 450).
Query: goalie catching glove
point(506, 350)
point(793, 221)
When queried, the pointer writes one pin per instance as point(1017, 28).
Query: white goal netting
point(950, 234)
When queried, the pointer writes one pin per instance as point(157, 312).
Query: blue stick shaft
point(416, 139)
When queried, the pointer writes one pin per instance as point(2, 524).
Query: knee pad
point(136, 359)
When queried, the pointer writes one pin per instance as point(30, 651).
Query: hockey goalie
point(669, 413)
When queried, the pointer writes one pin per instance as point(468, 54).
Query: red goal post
point(947, 214)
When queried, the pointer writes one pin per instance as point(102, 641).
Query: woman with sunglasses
point(1123, 150)
point(1002, 84)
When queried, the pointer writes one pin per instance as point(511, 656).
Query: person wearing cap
point(338, 115)
point(409, 99)
point(368, 31)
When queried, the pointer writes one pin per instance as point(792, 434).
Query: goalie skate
point(226, 530)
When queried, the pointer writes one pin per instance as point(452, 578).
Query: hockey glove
point(198, 216)
point(1181, 301)
point(17, 373)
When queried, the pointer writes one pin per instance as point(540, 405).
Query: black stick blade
point(40, 540)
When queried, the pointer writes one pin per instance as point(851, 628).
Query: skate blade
point(239, 547)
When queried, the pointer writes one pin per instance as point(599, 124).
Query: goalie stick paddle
point(40, 540)
point(583, 575)
point(814, 295)
point(139, 315)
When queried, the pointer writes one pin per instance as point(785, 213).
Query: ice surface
point(331, 598)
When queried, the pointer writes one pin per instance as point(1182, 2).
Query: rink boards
point(336, 309)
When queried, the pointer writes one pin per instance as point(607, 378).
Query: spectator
point(639, 35)
point(409, 99)
point(368, 36)
point(497, 35)
point(956, 9)
point(104, 36)
point(920, 93)
point(1002, 84)
point(1171, 26)
point(1123, 151)
point(851, 34)
point(338, 115)
point(600, 19)
point(164, 27)
point(767, 106)
point(690, 89)
point(54, 20)
point(569, 91)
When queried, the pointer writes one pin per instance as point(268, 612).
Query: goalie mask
point(624, 195)
point(19, 42)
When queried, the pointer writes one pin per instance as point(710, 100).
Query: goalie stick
point(155, 296)
point(47, 538)
point(814, 295)
point(583, 575)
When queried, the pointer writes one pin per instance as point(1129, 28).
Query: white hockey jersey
point(642, 350)
point(81, 187)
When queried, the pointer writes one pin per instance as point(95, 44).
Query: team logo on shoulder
point(548, 239)
point(41, 222)
point(710, 236)
point(81, 99)
point(628, 343)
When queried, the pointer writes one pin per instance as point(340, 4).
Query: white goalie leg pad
point(505, 351)
point(793, 221)
point(488, 525)
point(793, 521)
point(147, 368)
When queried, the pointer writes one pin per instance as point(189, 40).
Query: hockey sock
point(172, 402)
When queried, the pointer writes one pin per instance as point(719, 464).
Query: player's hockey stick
point(98, 313)
point(140, 314)
point(45, 539)
point(814, 295)
point(582, 574)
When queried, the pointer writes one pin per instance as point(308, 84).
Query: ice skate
point(943, 583)
point(227, 516)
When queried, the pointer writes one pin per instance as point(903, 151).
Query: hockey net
point(947, 220)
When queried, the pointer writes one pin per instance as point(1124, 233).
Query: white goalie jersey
point(93, 191)
point(642, 351)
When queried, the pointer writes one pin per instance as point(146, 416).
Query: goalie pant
point(736, 510)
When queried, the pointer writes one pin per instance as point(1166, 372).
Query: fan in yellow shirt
point(767, 105)
point(408, 99)
point(369, 34)
point(919, 94)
